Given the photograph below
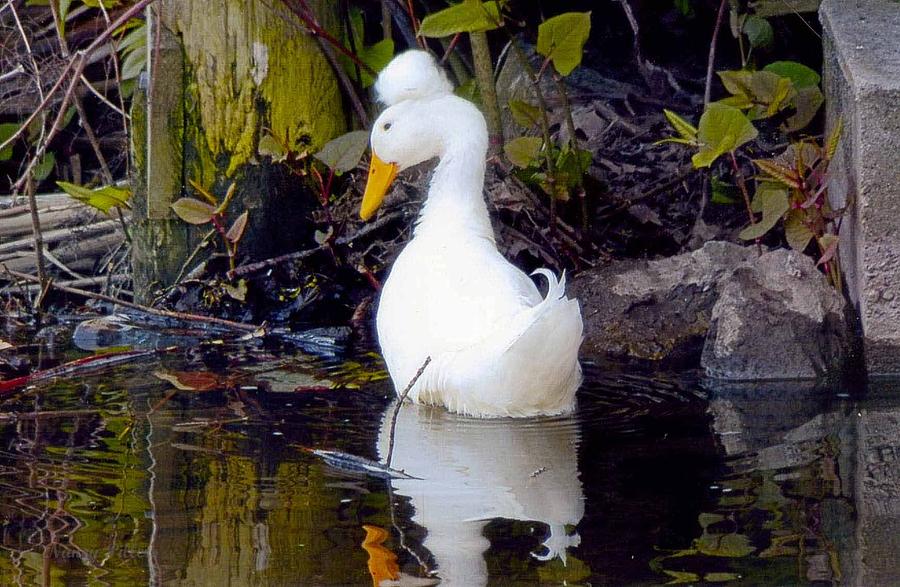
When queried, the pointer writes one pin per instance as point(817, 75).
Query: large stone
point(776, 318)
point(745, 316)
point(862, 85)
point(655, 310)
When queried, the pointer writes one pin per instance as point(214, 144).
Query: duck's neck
point(455, 204)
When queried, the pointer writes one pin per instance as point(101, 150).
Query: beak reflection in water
point(471, 471)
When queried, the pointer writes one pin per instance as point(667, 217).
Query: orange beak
point(381, 175)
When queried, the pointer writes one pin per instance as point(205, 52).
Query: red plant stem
point(327, 191)
point(742, 184)
point(309, 19)
point(543, 68)
point(414, 22)
point(450, 47)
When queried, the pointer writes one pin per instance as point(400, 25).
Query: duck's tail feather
point(529, 367)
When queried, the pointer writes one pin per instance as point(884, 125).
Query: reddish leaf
point(829, 245)
point(195, 380)
point(237, 229)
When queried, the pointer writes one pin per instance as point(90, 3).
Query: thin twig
point(18, 70)
point(710, 64)
point(36, 228)
point(396, 413)
point(99, 95)
point(118, 78)
point(239, 326)
point(75, 65)
point(258, 266)
point(204, 242)
point(544, 124)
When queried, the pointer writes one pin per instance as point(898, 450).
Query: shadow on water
point(119, 478)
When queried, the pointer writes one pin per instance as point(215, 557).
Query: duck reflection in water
point(471, 471)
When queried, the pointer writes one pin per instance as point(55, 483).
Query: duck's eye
point(387, 126)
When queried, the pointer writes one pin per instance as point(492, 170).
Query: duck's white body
point(497, 346)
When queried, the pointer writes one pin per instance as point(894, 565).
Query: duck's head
point(422, 118)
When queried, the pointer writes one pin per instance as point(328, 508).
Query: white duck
point(497, 347)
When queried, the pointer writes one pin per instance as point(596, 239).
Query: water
point(120, 478)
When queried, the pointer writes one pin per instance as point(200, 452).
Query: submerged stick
point(396, 413)
point(239, 326)
point(77, 367)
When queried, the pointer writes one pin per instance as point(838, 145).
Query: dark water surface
point(120, 478)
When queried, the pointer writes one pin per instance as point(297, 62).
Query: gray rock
point(776, 318)
point(741, 315)
point(655, 310)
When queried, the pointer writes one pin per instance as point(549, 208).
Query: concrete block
point(862, 86)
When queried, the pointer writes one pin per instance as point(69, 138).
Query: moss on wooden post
point(160, 242)
point(244, 68)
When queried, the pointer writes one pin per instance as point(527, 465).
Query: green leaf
point(723, 192)
point(684, 7)
point(63, 13)
point(772, 200)
point(468, 90)
point(778, 172)
point(376, 57)
point(525, 114)
point(269, 146)
point(831, 144)
point(523, 151)
point(103, 199)
point(807, 103)
point(466, 17)
point(194, 211)
point(685, 129)
point(571, 165)
point(106, 3)
point(237, 229)
point(44, 167)
point(707, 519)
point(767, 8)
point(7, 129)
point(136, 37)
point(134, 62)
point(722, 129)
point(238, 291)
point(829, 245)
point(796, 232)
point(676, 140)
point(344, 152)
point(801, 75)
point(561, 39)
point(764, 91)
point(759, 32)
point(724, 545)
point(681, 577)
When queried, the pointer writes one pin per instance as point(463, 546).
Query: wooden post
point(226, 74)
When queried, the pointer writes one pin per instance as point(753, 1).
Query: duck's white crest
point(411, 75)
